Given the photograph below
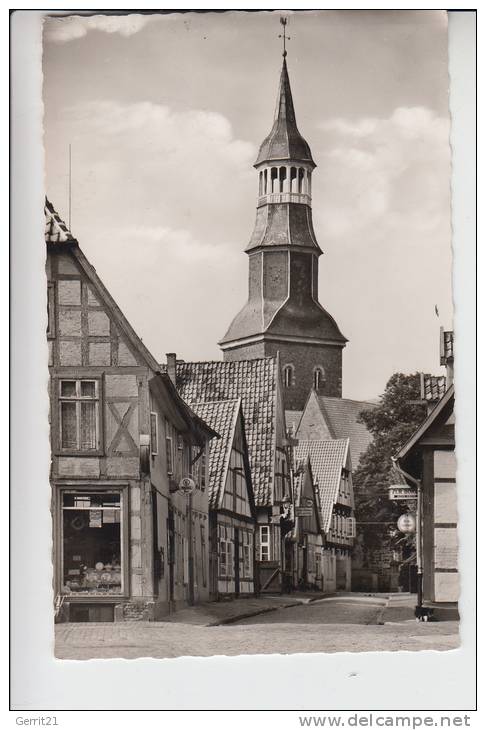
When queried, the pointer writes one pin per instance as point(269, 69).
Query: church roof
point(284, 224)
point(292, 319)
point(284, 141)
point(222, 416)
point(327, 459)
point(341, 416)
point(255, 382)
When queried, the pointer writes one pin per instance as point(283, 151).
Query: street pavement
point(342, 623)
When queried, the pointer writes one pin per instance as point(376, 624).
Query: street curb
point(322, 598)
point(250, 614)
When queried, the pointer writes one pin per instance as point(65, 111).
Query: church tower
point(283, 313)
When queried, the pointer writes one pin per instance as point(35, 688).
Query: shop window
point(264, 543)
point(79, 427)
point(154, 434)
point(92, 551)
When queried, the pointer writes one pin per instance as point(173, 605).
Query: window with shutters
point(79, 416)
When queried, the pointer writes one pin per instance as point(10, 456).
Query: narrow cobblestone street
point(344, 623)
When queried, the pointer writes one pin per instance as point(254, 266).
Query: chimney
point(171, 365)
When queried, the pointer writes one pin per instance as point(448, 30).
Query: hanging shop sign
point(187, 485)
point(406, 523)
point(401, 493)
point(303, 511)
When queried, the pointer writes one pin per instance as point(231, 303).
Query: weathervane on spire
point(283, 21)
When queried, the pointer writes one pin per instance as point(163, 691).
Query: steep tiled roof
point(222, 417)
point(299, 480)
point(56, 231)
point(255, 382)
point(341, 416)
point(434, 387)
point(446, 346)
point(327, 461)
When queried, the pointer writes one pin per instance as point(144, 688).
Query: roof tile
point(255, 382)
point(341, 415)
point(327, 458)
point(222, 417)
point(56, 231)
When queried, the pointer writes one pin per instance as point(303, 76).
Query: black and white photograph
point(250, 333)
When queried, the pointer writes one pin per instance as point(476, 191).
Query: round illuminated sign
point(187, 485)
point(406, 523)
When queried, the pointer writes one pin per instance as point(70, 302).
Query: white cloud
point(70, 27)
point(386, 172)
point(157, 200)
point(180, 169)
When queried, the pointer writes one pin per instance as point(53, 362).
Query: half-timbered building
point(429, 456)
point(232, 515)
point(128, 544)
point(308, 535)
point(330, 464)
point(258, 383)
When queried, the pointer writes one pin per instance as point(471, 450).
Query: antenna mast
point(69, 192)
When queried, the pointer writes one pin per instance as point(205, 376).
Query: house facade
point(232, 515)
point(330, 467)
point(128, 544)
point(308, 535)
point(325, 417)
point(429, 457)
point(258, 384)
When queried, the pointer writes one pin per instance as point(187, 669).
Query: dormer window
point(288, 375)
point(319, 378)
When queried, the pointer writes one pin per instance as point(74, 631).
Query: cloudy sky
point(165, 115)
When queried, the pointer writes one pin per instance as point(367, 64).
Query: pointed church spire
point(284, 141)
